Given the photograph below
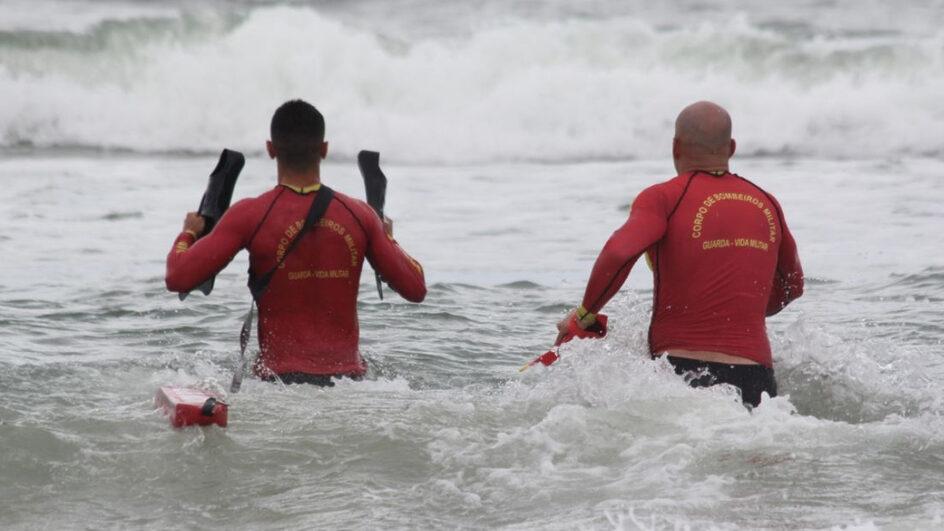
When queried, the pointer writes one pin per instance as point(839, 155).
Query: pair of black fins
point(219, 194)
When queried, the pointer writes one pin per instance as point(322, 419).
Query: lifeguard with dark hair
point(308, 328)
point(722, 259)
point(296, 127)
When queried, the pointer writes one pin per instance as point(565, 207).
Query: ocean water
point(514, 135)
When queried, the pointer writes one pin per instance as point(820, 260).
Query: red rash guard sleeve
point(400, 271)
point(189, 263)
point(647, 223)
point(788, 278)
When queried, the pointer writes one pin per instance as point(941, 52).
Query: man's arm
point(192, 261)
point(788, 278)
point(646, 225)
point(398, 269)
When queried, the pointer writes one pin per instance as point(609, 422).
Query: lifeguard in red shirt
point(722, 258)
point(308, 328)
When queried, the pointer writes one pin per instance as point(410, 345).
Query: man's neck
point(707, 165)
point(296, 179)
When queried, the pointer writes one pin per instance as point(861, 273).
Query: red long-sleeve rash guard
point(722, 259)
point(308, 315)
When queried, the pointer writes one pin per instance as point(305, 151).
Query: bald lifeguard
point(722, 260)
point(703, 138)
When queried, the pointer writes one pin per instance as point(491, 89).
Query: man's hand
point(194, 224)
point(388, 226)
point(564, 324)
point(591, 326)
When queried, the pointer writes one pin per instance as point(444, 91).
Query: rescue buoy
point(185, 406)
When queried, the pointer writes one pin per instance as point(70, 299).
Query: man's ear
point(324, 150)
point(676, 148)
point(270, 149)
point(733, 148)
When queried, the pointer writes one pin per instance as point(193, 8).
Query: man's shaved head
point(704, 127)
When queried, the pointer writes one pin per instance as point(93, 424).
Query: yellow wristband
point(584, 317)
point(190, 232)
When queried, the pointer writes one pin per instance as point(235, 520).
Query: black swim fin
point(217, 197)
point(375, 183)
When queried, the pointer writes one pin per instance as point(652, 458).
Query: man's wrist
point(584, 318)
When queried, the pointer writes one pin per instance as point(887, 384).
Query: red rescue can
point(185, 406)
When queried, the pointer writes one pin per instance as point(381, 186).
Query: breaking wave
point(519, 89)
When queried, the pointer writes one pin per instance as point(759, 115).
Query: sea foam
point(519, 89)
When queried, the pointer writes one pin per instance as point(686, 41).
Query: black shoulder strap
point(319, 205)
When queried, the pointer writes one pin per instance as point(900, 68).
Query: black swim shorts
point(752, 380)
point(321, 380)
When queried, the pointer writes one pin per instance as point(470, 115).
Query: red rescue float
point(185, 406)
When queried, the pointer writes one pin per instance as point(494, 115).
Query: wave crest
point(527, 90)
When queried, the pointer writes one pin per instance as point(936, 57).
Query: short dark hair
point(297, 131)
